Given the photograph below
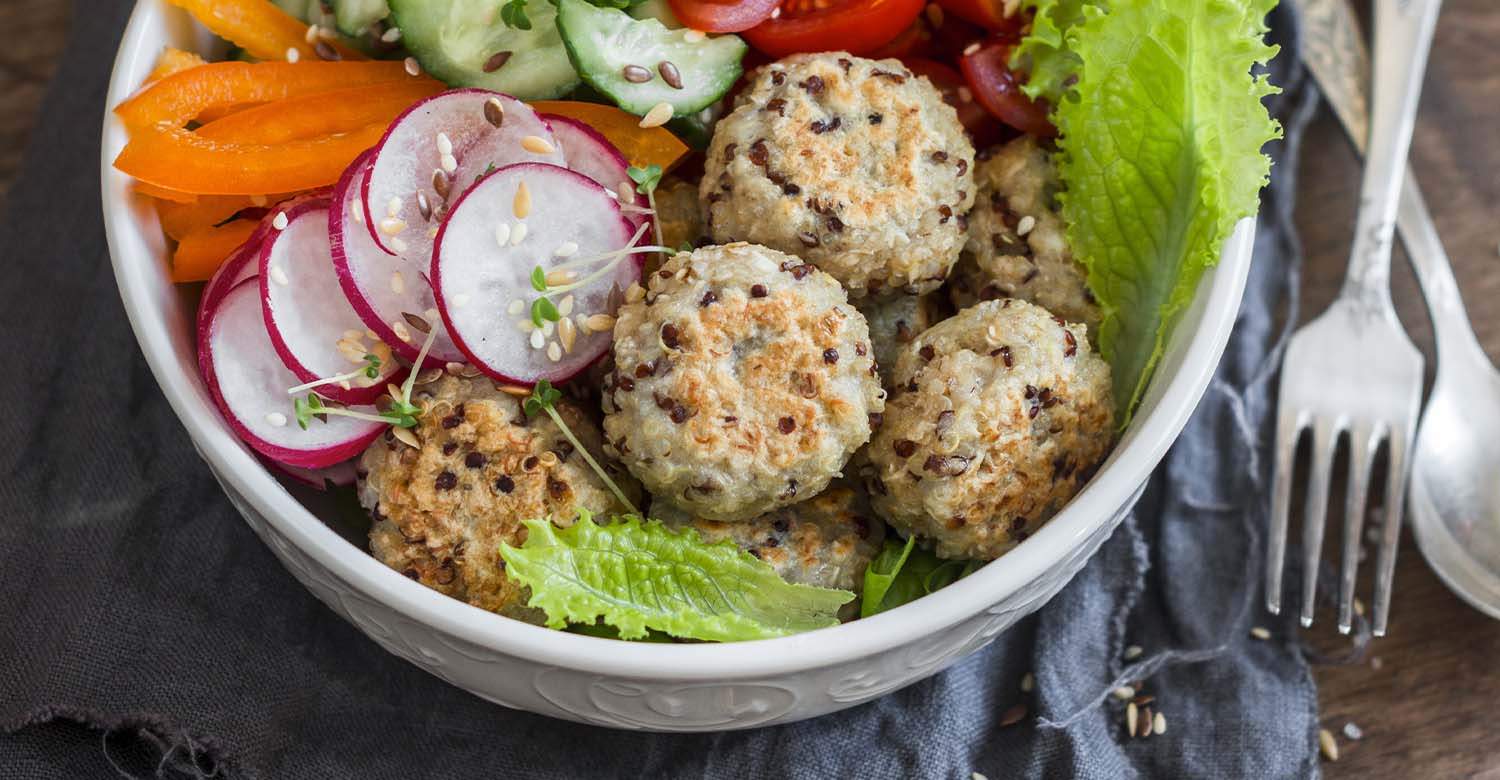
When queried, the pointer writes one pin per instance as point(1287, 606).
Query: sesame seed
point(400, 329)
point(635, 74)
point(444, 144)
point(565, 249)
point(449, 163)
point(600, 323)
point(461, 300)
point(1025, 225)
point(1159, 724)
point(311, 34)
point(977, 776)
point(657, 116)
point(515, 390)
point(279, 221)
point(392, 226)
point(536, 145)
point(693, 36)
point(276, 418)
point(398, 245)
point(1132, 717)
point(279, 276)
point(412, 68)
point(1124, 693)
point(1028, 683)
point(525, 325)
point(583, 323)
point(547, 327)
point(515, 307)
point(292, 55)
point(559, 277)
point(406, 437)
point(565, 306)
point(392, 35)
point(634, 293)
point(521, 206)
point(494, 112)
point(566, 333)
point(971, 48)
point(1327, 744)
point(537, 339)
point(518, 233)
point(1260, 632)
point(1353, 732)
point(554, 352)
point(1133, 652)
point(502, 234)
point(398, 283)
point(626, 191)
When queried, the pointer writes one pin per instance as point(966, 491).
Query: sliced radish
point(450, 140)
point(338, 475)
point(249, 383)
point(592, 155)
point(382, 288)
point(243, 263)
point(314, 328)
point(483, 261)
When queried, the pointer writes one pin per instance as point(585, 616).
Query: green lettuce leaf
point(637, 576)
point(1044, 54)
point(1161, 139)
point(903, 573)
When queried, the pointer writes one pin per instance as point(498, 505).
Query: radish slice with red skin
point(411, 152)
point(592, 155)
point(248, 382)
point(307, 317)
point(339, 475)
point(484, 287)
point(369, 276)
point(242, 264)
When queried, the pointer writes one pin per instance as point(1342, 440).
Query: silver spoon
point(1455, 489)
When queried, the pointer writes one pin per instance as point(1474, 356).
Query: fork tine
point(1289, 427)
point(1320, 466)
point(1390, 531)
point(1364, 439)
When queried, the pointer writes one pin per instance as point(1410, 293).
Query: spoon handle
point(1403, 38)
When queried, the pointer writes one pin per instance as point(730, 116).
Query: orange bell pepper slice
point(642, 146)
point(164, 193)
point(184, 161)
point(182, 97)
point(260, 28)
point(173, 61)
point(180, 219)
point(216, 113)
point(324, 113)
point(201, 252)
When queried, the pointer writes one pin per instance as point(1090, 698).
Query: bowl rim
point(1111, 490)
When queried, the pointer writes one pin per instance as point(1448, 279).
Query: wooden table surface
point(1427, 698)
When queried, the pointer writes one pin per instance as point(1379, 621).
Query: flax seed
point(494, 112)
point(669, 74)
point(496, 61)
point(635, 74)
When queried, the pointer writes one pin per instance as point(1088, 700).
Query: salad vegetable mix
point(530, 273)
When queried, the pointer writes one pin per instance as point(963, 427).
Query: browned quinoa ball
point(442, 510)
point(1017, 244)
point(855, 165)
point(894, 321)
point(743, 382)
point(827, 541)
point(1001, 414)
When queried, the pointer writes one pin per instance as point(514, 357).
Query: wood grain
point(1431, 708)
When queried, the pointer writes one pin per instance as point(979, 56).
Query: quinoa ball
point(442, 510)
point(1002, 412)
point(894, 321)
point(855, 165)
point(1017, 244)
point(743, 382)
point(827, 541)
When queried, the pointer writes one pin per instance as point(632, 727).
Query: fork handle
point(1403, 38)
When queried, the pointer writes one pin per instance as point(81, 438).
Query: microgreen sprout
point(538, 279)
point(646, 179)
point(401, 412)
point(542, 400)
point(369, 369)
point(543, 310)
point(513, 14)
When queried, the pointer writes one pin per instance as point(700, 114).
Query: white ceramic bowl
point(692, 687)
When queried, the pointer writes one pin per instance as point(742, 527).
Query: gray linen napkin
point(145, 632)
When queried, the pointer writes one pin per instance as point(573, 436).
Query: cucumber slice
point(602, 42)
point(455, 40)
point(354, 17)
point(658, 10)
point(301, 9)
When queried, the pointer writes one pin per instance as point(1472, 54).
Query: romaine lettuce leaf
point(903, 573)
point(1161, 139)
point(637, 575)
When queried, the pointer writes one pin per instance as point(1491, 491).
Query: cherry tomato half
point(924, 40)
point(983, 129)
point(998, 89)
point(855, 26)
point(989, 14)
point(722, 16)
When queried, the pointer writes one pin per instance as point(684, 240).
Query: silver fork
point(1353, 370)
